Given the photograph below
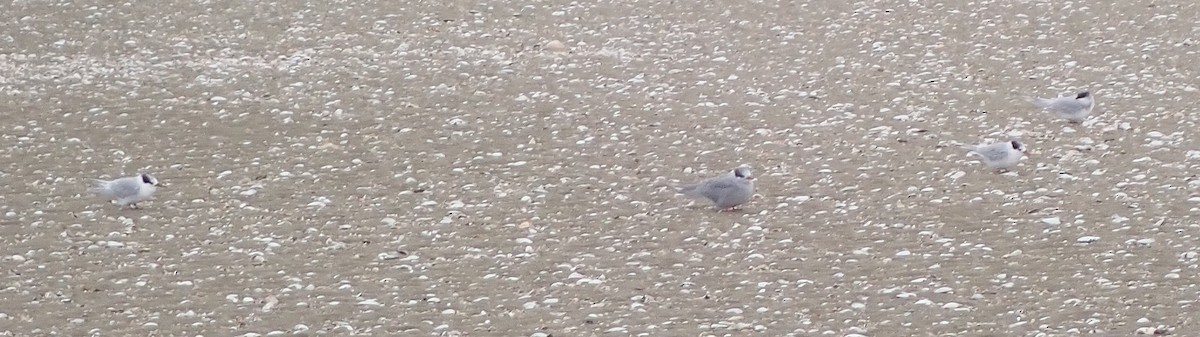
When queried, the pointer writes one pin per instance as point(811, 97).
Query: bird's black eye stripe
point(1082, 95)
point(146, 179)
point(740, 173)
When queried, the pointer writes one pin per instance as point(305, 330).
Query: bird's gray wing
point(1066, 105)
point(994, 152)
point(718, 188)
point(1061, 104)
point(125, 187)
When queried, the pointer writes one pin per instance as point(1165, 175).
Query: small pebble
point(343, 328)
point(556, 46)
point(1144, 330)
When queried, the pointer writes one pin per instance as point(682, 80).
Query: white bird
point(127, 191)
point(1000, 156)
point(1074, 109)
point(727, 192)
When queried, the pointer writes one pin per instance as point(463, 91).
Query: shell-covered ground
point(501, 168)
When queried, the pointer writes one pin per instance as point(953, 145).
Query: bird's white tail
point(973, 150)
point(99, 185)
point(1040, 102)
point(687, 190)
